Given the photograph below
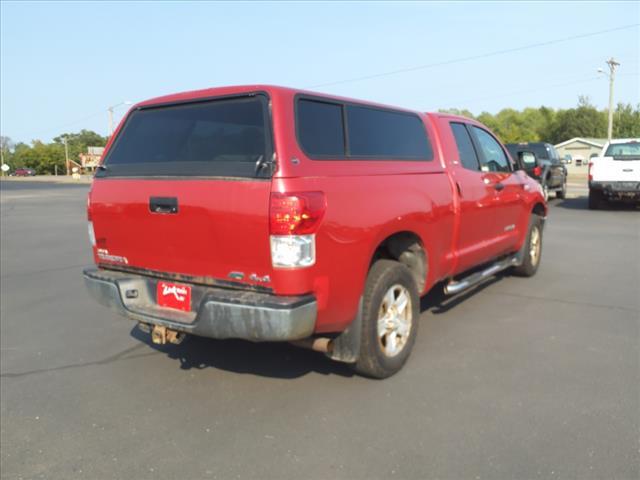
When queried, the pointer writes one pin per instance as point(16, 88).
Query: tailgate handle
point(163, 204)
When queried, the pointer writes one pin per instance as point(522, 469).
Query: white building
point(580, 150)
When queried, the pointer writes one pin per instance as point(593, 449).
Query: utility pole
point(110, 111)
point(66, 155)
point(612, 75)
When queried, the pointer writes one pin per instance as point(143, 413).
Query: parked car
point(615, 174)
point(273, 214)
point(23, 172)
point(544, 165)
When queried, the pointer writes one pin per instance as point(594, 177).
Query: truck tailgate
point(608, 169)
point(220, 226)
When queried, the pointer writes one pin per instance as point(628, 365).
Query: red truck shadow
point(277, 360)
point(281, 360)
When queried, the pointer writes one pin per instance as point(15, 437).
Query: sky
point(62, 64)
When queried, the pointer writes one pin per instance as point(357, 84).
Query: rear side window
point(540, 150)
point(380, 133)
point(355, 132)
point(468, 156)
point(320, 128)
point(225, 137)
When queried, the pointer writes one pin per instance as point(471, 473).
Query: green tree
point(42, 157)
point(583, 121)
point(5, 150)
point(456, 111)
point(77, 143)
point(626, 121)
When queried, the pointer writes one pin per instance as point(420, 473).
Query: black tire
point(562, 193)
point(530, 262)
point(545, 192)
point(384, 276)
point(595, 199)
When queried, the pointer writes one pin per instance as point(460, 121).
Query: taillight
point(293, 220)
point(537, 171)
point(590, 175)
point(296, 213)
point(92, 235)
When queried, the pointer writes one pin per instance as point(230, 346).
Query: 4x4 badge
point(254, 277)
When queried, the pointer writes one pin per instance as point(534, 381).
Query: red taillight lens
point(590, 176)
point(537, 171)
point(297, 213)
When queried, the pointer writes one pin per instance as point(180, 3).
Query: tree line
point(545, 124)
point(47, 158)
point(528, 125)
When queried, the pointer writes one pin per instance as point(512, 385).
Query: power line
point(473, 57)
point(427, 66)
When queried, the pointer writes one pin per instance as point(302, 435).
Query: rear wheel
point(532, 249)
point(562, 193)
point(390, 315)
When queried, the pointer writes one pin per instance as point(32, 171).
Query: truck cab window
point(493, 158)
point(466, 151)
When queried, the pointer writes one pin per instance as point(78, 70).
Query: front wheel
point(532, 249)
point(390, 315)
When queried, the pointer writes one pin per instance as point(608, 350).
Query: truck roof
point(271, 89)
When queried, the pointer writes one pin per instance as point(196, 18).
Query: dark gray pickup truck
point(541, 161)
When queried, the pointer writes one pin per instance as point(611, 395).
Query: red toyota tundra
point(273, 214)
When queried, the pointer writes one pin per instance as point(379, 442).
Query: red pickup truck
point(274, 214)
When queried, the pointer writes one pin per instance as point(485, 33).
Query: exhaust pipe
point(320, 344)
point(161, 335)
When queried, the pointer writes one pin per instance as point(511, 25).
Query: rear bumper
point(617, 189)
point(216, 312)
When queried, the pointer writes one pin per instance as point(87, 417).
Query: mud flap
point(521, 253)
point(346, 346)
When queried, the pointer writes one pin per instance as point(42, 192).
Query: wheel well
point(406, 248)
point(539, 209)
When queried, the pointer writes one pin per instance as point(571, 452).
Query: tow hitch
point(161, 335)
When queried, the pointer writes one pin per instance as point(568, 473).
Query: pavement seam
point(112, 358)
point(569, 302)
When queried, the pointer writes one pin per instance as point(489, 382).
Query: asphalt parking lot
point(521, 378)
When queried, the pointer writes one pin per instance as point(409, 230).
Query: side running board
point(454, 287)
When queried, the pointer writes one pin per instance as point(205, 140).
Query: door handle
point(499, 186)
point(163, 204)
